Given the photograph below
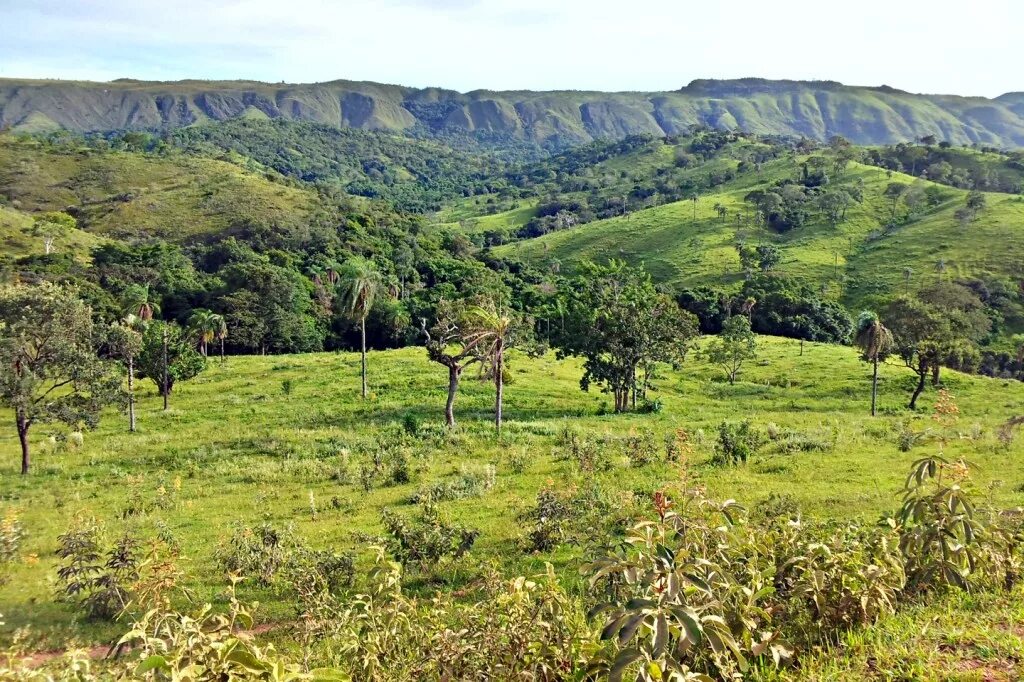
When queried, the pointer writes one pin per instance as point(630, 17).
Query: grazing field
point(283, 440)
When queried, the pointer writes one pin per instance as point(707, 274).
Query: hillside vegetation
point(815, 109)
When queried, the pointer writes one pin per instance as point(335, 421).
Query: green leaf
point(154, 662)
point(621, 662)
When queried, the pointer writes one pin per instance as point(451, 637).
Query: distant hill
point(815, 109)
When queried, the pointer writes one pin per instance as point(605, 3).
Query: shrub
point(470, 482)
point(735, 444)
point(101, 588)
point(427, 540)
point(640, 449)
point(11, 534)
point(548, 521)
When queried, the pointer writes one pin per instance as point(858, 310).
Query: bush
point(641, 449)
point(427, 540)
point(11, 534)
point(736, 442)
point(101, 588)
point(469, 482)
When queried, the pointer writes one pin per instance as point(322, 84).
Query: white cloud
point(467, 44)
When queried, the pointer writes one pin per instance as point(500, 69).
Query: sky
point(940, 46)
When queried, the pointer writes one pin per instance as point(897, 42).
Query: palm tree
point(359, 281)
point(875, 342)
point(220, 331)
point(490, 332)
point(139, 301)
point(206, 326)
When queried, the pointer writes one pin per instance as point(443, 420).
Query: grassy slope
point(245, 452)
point(124, 195)
point(16, 237)
point(679, 249)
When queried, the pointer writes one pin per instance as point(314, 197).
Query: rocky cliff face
point(817, 109)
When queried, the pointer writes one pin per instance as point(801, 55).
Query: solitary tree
point(168, 356)
point(733, 346)
point(360, 281)
point(893, 192)
point(124, 340)
point(492, 329)
point(938, 327)
point(52, 226)
point(51, 370)
point(448, 344)
point(875, 343)
point(618, 323)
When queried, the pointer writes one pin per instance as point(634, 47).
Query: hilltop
point(814, 109)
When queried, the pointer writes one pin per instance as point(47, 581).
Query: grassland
point(855, 260)
point(236, 448)
point(134, 196)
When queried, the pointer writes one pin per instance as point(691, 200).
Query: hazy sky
point(938, 46)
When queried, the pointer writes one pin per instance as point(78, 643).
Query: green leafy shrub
point(99, 583)
point(428, 539)
point(736, 442)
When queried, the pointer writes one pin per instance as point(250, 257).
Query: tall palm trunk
point(131, 394)
point(23, 423)
point(499, 381)
point(362, 332)
point(874, 386)
point(166, 378)
point(222, 349)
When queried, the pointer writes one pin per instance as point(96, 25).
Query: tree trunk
point(362, 332)
point(166, 379)
point(23, 424)
point(874, 386)
point(921, 376)
point(131, 394)
point(935, 374)
point(453, 386)
point(222, 349)
point(499, 383)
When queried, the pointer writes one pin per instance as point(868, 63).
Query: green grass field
point(853, 260)
point(236, 448)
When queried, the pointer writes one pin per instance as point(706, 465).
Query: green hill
point(134, 196)
point(858, 258)
point(814, 109)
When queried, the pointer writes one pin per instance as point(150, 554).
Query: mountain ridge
point(815, 109)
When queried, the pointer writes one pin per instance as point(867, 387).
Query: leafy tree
point(52, 226)
point(269, 308)
point(768, 256)
point(448, 344)
point(359, 282)
point(936, 328)
point(733, 346)
point(168, 356)
point(894, 191)
point(124, 341)
point(618, 322)
point(492, 329)
point(875, 343)
point(976, 200)
point(52, 372)
point(833, 204)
